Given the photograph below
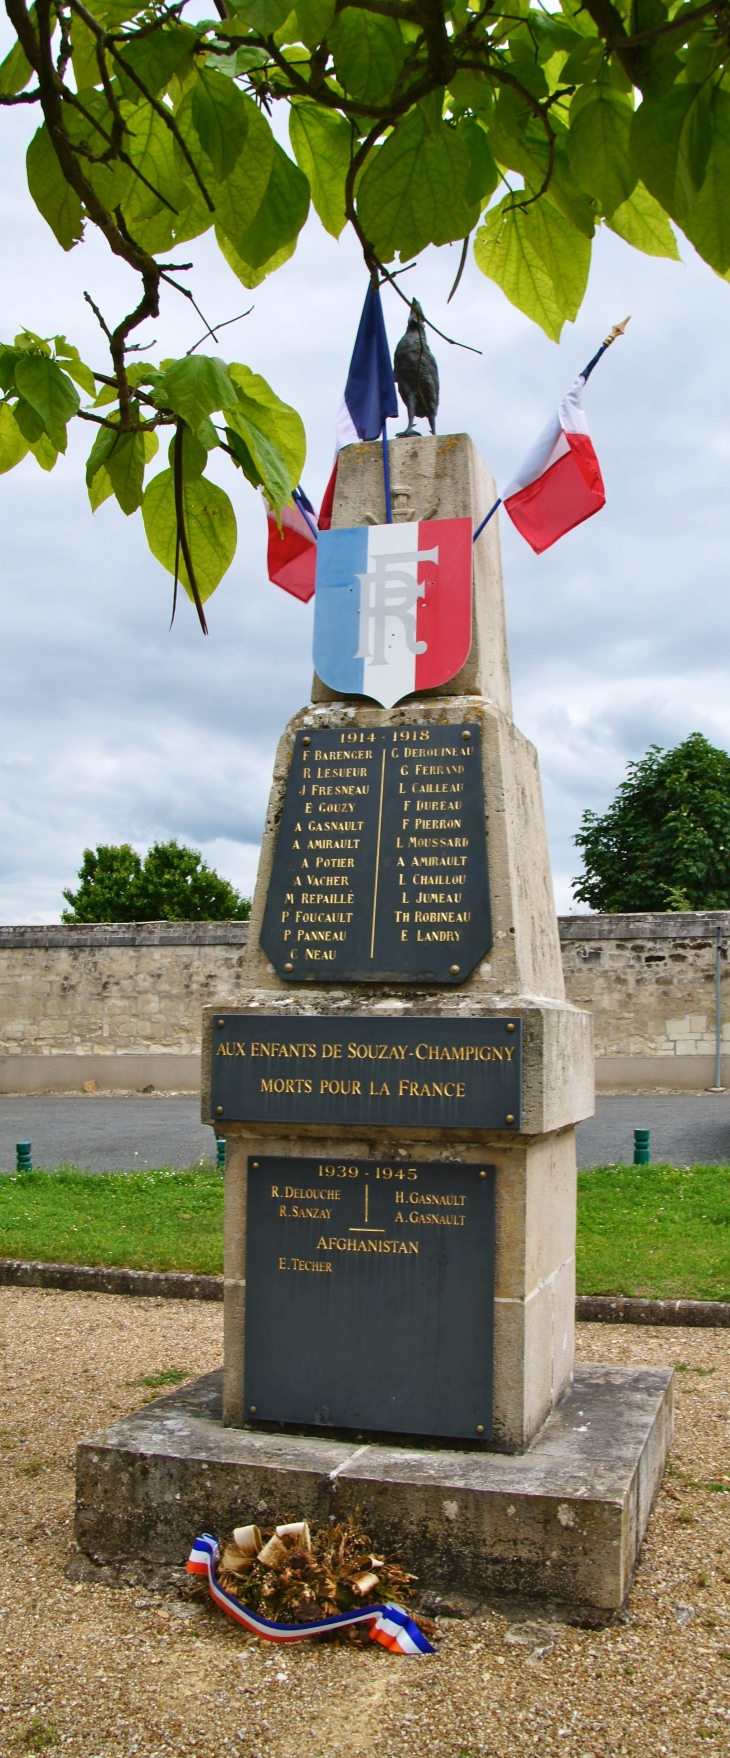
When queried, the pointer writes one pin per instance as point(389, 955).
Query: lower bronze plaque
point(370, 1295)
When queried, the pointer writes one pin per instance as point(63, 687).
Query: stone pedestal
point(563, 1523)
point(521, 975)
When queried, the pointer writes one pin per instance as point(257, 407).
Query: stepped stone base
point(563, 1521)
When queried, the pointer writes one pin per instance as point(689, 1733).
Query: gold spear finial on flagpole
point(618, 330)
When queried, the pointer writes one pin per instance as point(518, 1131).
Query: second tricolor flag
point(560, 483)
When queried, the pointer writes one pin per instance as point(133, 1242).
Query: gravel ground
point(102, 1673)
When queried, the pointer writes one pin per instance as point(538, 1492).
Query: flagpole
point(296, 497)
point(618, 330)
point(386, 476)
point(485, 521)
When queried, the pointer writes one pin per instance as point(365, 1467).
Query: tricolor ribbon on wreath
point(391, 1625)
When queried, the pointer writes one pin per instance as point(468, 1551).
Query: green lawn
point(655, 1230)
point(163, 1220)
point(652, 1230)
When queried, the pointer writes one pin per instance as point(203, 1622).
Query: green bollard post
point(220, 1152)
point(641, 1147)
point(23, 1162)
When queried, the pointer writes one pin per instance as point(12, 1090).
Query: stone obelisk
point(534, 1292)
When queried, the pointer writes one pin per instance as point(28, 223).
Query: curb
point(626, 1309)
point(96, 1279)
point(591, 1309)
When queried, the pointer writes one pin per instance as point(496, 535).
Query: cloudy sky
point(113, 728)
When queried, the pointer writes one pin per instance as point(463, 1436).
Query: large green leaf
point(314, 20)
point(125, 468)
point(238, 200)
point(71, 361)
point(277, 420)
point(564, 253)
point(29, 421)
point(44, 452)
point(210, 523)
point(242, 456)
point(112, 13)
point(83, 55)
point(15, 70)
point(13, 444)
point(520, 143)
point(483, 172)
point(50, 392)
point(220, 116)
point(8, 359)
point(264, 16)
point(155, 58)
point(538, 259)
point(322, 143)
point(566, 194)
point(270, 470)
point(642, 222)
point(599, 149)
point(154, 209)
point(281, 214)
point(513, 130)
point(195, 454)
point(110, 182)
point(413, 191)
point(248, 276)
point(369, 52)
point(195, 387)
point(504, 251)
point(103, 441)
point(55, 200)
point(116, 465)
point(99, 489)
point(670, 144)
point(708, 223)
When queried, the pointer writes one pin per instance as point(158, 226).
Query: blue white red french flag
point(292, 551)
point(370, 397)
point(392, 610)
point(559, 484)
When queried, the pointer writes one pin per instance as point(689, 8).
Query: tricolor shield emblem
point(392, 607)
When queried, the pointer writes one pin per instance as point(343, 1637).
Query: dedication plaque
point(412, 1073)
point(380, 870)
point(370, 1295)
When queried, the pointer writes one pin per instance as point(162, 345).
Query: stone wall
point(117, 1004)
point(649, 981)
point(121, 1005)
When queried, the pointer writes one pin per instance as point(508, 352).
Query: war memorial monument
point(398, 1079)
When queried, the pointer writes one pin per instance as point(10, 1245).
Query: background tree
point(664, 844)
point(407, 119)
point(172, 884)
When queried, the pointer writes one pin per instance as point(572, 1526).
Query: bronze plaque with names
point(380, 869)
point(370, 1295)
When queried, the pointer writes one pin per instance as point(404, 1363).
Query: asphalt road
point(105, 1135)
point(687, 1129)
point(120, 1134)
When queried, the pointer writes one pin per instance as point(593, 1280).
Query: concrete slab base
point(563, 1521)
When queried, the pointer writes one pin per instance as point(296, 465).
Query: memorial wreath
point(287, 1584)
